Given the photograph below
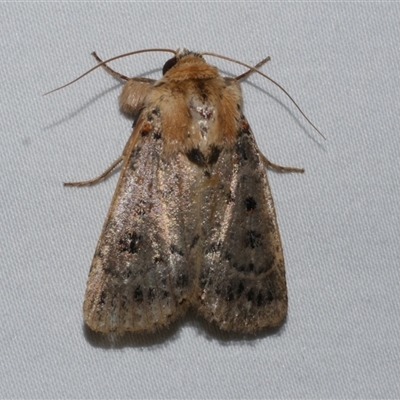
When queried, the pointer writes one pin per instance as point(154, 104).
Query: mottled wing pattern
point(187, 230)
point(139, 279)
point(241, 284)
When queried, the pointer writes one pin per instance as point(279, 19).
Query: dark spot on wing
point(194, 241)
point(110, 269)
point(250, 203)
point(135, 155)
point(240, 149)
point(250, 295)
point(213, 248)
point(124, 300)
point(215, 151)
point(103, 297)
point(197, 157)
point(175, 250)
point(156, 134)
point(247, 268)
point(229, 197)
point(253, 239)
point(130, 242)
point(240, 289)
point(138, 294)
point(141, 206)
point(158, 259)
point(260, 300)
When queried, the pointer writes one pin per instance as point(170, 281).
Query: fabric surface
point(339, 221)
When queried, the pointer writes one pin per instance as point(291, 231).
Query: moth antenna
point(109, 60)
point(258, 65)
point(270, 79)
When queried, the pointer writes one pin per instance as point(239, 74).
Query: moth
point(192, 223)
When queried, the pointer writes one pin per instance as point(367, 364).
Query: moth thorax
point(203, 118)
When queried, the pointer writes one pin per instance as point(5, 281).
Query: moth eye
point(168, 65)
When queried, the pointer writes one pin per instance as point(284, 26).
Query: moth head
point(179, 55)
point(187, 65)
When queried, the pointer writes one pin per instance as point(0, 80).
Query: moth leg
point(116, 74)
point(279, 168)
point(250, 71)
point(98, 178)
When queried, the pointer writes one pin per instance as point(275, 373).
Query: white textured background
point(340, 221)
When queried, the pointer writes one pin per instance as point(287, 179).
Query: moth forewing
point(192, 221)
